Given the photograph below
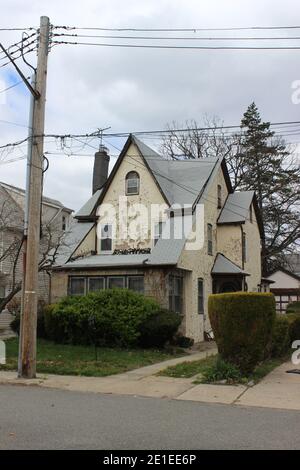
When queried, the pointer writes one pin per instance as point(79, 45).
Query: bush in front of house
point(108, 317)
point(15, 323)
point(242, 323)
point(158, 328)
point(280, 336)
point(293, 307)
point(294, 326)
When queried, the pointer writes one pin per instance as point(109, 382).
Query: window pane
point(116, 282)
point(96, 283)
point(77, 286)
point(106, 244)
point(200, 297)
point(175, 293)
point(136, 283)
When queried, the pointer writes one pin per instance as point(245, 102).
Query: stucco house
point(204, 238)
point(55, 216)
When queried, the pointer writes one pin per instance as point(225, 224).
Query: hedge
point(294, 326)
point(280, 336)
point(293, 307)
point(242, 323)
point(111, 317)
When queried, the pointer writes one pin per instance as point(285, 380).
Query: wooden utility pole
point(30, 287)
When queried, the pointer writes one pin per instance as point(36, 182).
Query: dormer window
point(132, 184)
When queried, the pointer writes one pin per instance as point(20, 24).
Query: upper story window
point(158, 229)
point(209, 239)
point(106, 238)
point(132, 183)
point(219, 196)
point(63, 223)
point(244, 247)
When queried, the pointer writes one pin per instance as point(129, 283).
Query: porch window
point(200, 297)
point(158, 229)
point(106, 238)
point(132, 184)
point(136, 283)
point(96, 283)
point(116, 281)
point(77, 285)
point(219, 196)
point(175, 293)
point(209, 239)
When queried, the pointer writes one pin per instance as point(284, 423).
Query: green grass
point(187, 370)
point(81, 360)
point(197, 368)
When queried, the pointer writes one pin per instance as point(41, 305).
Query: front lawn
point(81, 360)
point(197, 368)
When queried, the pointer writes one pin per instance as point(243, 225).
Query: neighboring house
point(145, 253)
point(55, 218)
point(285, 286)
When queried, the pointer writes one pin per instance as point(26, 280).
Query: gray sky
point(139, 89)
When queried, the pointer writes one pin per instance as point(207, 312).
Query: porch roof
point(223, 265)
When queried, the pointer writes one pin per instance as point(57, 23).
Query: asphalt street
point(36, 418)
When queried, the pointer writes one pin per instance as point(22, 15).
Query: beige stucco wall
point(200, 264)
point(87, 245)
point(149, 194)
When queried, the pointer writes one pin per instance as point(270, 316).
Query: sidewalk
point(276, 390)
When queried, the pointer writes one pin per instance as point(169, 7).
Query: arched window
point(132, 185)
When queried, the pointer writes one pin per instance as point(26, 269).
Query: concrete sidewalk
point(276, 390)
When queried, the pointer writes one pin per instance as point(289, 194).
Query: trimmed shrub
point(280, 336)
point(159, 328)
point(242, 323)
point(108, 317)
point(294, 326)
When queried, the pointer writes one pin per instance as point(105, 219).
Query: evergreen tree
point(269, 169)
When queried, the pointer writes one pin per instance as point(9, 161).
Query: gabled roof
point(179, 181)
point(21, 192)
point(236, 209)
point(285, 271)
point(89, 207)
point(223, 265)
point(75, 235)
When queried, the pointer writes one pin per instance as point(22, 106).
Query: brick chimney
point(100, 173)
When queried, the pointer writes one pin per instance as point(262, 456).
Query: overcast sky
point(140, 89)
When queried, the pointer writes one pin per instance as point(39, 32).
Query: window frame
point(92, 278)
point(173, 296)
point(209, 239)
point(140, 277)
point(72, 278)
point(219, 196)
point(200, 297)
point(123, 277)
point(137, 179)
point(157, 236)
point(106, 238)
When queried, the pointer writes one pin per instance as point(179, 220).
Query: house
point(286, 283)
point(171, 229)
point(55, 219)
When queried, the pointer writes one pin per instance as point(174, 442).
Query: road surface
point(36, 418)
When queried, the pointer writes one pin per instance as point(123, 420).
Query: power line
point(180, 38)
point(14, 85)
point(18, 29)
point(192, 30)
point(156, 46)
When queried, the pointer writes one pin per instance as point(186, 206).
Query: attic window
point(132, 184)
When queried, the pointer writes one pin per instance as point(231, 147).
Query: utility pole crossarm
point(35, 93)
